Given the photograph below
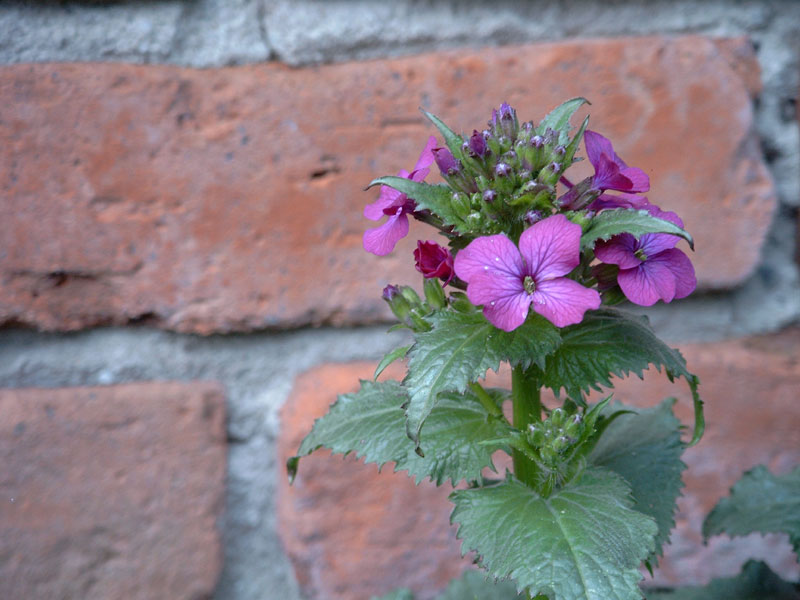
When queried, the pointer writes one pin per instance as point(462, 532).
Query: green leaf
point(755, 582)
point(460, 349)
point(584, 542)
point(451, 138)
point(436, 198)
point(401, 594)
point(645, 448)
point(365, 423)
point(390, 357)
point(576, 140)
point(473, 585)
point(609, 342)
point(371, 423)
point(558, 118)
point(759, 502)
point(456, 433)
point(608, 223)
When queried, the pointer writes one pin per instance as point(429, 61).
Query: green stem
point(527, 409)
point(486, 400)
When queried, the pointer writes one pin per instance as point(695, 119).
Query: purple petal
point(648, 283)
point(551, 247)
point(426, 157)
point(655, 243)
point(563, 301)
point(596, 146)
point(609, 177)
point(381, 240)
point(664, 214)
point(619, 250)
point(681, 267)
point(505, 302)
point(608, 201)
point(389, 197)
point(419, 174)
point(490, 254)
point(640, 182)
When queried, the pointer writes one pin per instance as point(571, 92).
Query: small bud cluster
point(505, 176)
point(556, 436)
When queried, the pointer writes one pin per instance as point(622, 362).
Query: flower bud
point(489, 196)
point(477, 143)
point(533, 216)
point(445, 160)
point(434, 294)
point(502, 170)
point(557, 417)
point(397, 302)
point(433, 260)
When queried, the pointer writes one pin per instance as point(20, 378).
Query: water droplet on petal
point(485, 268)
point(497, 258)
point(492, 302)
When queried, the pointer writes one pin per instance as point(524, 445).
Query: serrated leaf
point(460, 349)
point(609, 342)
point(371, 423)
point(435, 198)
point(455, 435)
point(645, 448)
point(584, 542)
point(755, 582)
point(390, 357)
point(608, 223)
point(759, 502)
point(451, 138)
point(401, 594)
point(558, 118)
point(473, 585)
point(575, 142)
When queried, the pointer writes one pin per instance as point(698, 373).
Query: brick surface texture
point(230, 199)
point(111, 492)
point(352, 532)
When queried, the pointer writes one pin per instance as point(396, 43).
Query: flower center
point(640, 255)
point(529, 284)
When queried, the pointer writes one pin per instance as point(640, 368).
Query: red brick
point(351, 532)
point(111, 492)
point(230, 199)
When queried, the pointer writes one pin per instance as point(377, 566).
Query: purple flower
point(610, 173)
point(446, 162)
point(396, 205)
point(504, 122)
point(650, 268)
point(507, 280)
point(433, 260)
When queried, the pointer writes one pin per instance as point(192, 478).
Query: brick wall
point(183, 287)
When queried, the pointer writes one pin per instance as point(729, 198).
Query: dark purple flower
point(610, 171)
point(396, 205)
point(389, 292)
point(477, 143)
point(433, 260)
point(650, 268)
point(507, 280)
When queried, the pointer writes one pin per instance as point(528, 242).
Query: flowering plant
point(533, 268)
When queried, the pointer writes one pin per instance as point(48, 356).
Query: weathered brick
point(230, 199)
point(351, 532)
point(111, 492)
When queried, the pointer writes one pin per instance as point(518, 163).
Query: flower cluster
point(517, 226)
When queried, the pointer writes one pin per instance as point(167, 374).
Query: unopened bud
point(502, 170)
point(489, 196)
point(533, 216)
point(477, 143)
point(434, 294)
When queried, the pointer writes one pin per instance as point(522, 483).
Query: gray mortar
point(257, 369)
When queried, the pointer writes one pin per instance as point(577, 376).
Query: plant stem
point(527, 409)
point(486, 400)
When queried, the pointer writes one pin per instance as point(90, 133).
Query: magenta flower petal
point(382, 240)
point(505, 302)
point(619, 250)
point(492, 254)
point(426, 156)
point(551, 247)
point(389, 197)
point(681, 267)
point(607, 201)
point(648, 283)
point(655, 243)
point(640, 182)
point(597, 146)
point(563, 301)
